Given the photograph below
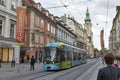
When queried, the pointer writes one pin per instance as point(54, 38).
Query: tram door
point(72, 56)
point(61, 58)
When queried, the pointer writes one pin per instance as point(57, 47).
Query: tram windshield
point(50, 54)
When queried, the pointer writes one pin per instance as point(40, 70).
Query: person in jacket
point(110, 72)
point(32, 62)
point(13, 62)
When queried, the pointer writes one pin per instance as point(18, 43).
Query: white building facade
point(8, 47)
point(88, 28)
point(63, 34)
point(114, 39)
point(76, 28)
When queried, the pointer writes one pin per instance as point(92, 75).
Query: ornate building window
point(48, 28)
point(52, 29)
point(41, 39)
point(13, 5)
point(36, 37)
point(42, 23)
point(12, 30)
point(2, 2)
point(37, 21)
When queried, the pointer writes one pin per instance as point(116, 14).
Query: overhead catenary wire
point(70, 5)
point(76, 7)
point(107, 8)
point(62, 6)
point(56, 7)
point(66, 7)
point(107, 11)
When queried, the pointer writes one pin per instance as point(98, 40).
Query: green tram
point(60, 56)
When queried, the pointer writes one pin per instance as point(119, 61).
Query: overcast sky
point(100, 12)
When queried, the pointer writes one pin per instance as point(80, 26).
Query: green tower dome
point(87, 19)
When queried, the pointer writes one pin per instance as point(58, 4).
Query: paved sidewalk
point(6, 71)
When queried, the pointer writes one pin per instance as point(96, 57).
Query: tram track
point(44, 74)
point(30, 76)
point(66, 74)
point(78, 71)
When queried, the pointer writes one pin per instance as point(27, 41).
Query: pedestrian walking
point(109, 72)
point(102, 58)
point(32, 62)
point(39, 59)
point(22, 59)
point(13, 62)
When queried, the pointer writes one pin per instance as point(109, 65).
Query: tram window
point(79, 56)
point(62, 56)
point(53, 54)
point(58, 54)
point(47, 52)
point(76, 57)
point(68, 55)
point(74, 54)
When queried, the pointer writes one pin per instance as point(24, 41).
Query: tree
point(96, 51)
point(104, 51)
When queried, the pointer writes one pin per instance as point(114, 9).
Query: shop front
point(38, 53)
point(8, 51)
point(6, 54)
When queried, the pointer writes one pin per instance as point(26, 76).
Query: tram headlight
point(45, 62)
point(53, 62)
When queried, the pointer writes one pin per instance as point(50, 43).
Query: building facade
point(39, 30)
point(76, 28)
point(63, 34)
point(8, 47)
point(114, 39)
point(81, 37)
point(102, 39)
point(88, 28)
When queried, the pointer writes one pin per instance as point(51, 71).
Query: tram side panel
point(63, 57)
point(72, 56)
point(75, 57)
point(64, 61)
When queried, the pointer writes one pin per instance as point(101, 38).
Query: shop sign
point(21, 15)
